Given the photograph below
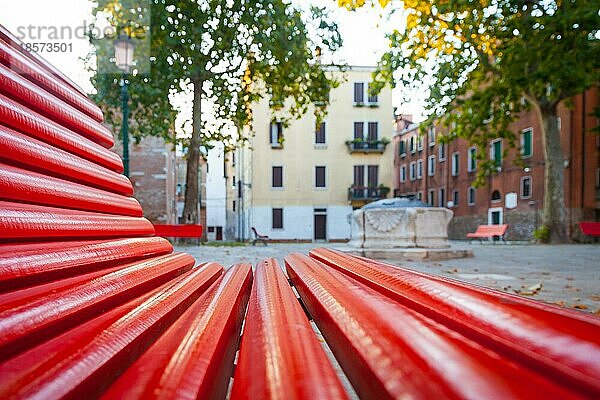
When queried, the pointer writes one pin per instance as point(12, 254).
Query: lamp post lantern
point(124, 47)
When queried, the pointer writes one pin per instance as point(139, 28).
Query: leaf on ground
point(451, 271)
point(580, 306)
point(530, 291)
point(595, 297)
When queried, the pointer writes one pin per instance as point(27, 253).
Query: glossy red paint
point(29, 94)
point(84, 366)
point(194, 358)
point(33, 124)
point(183, 231)
point(29, 153)
point(34, 263)
point(280, 357)
point(390, 351)
point(26, 221)
point(560, 343)
point(37, 74)
point(23, 324)
point(17, 184)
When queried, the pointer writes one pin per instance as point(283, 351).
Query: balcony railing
point(365, 193)
point(367, 146)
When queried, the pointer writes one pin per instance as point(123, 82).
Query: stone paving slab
point(567, 275)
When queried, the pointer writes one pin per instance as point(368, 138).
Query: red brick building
point(443, 175)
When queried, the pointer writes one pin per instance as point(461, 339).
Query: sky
point(363, 32)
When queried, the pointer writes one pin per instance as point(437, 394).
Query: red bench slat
point(26, 67)
point(33, 263)
point(22, 119)
point(194, 357)
point(29, 94)
point(590, 228)
point(182, 231)
point(31, 187)
point(390, 351)
point(485, 231)
point(26, 221)
point(280, 356)
point(528, 332)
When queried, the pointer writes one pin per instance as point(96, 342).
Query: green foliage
point(542, 234)
point(223, 47)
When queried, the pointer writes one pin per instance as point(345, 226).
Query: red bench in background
point(489, 231)
point(178, 231)
point(590, 228)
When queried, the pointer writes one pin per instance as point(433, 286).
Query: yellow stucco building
point(301, 182)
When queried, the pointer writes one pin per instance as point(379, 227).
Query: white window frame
point(412, 145)
point(471, 159)
point(419, 142)
point(420, 196)
point(419, 169)
point(403, 154)
point(324, 144)
point(412, 171)
point(282, 183)
point(530, 129)
point(523, 178)
point(493, 210)
point(431, 197)
point(442, 147)
point(455, 167)
point(315, 178)
point(469, 202)
point(366, 96)
point(431, 166)
point(493, 151)
point(403, 173)
point(273, 136)
point(359, 103)
point(431, 136)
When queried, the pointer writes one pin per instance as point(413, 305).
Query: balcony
point(367, 146)
point(361, 195)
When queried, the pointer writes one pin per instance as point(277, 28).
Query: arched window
point(496, 195)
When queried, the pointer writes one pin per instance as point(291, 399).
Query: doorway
point(320, 224)
point(495, 216)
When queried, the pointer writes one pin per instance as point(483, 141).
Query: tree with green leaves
point(487, 61)
point(216, 49)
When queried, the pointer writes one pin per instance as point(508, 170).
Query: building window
point(526, 143)
point(277, 218)
point(471, 196)
point(455, 198)
point(420, 143)
point(277, 177)
point(359, 92)
point(431, 165)
point(419, 169)
point(320, 176)
point(403, 173)
point(373, 131)
point(233, 206)
point(526, 187)
point(496, 152)
point(402, 148)
point(276, 134)
point(442, 197)
point(431, 197)
point(431, 136)
point(359, 130)
point(411, 145)
point(412, 171)
point(496, 196)
point(320, 134)
point(472, 159)
point(442, 152)
point(455, 163)
point(372, 98)
point(420, 196)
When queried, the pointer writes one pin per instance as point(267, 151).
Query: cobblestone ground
point(567, 275)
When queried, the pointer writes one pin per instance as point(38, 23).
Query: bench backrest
point(492, 229)
point(590, 228)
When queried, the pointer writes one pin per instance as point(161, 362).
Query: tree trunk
point(555, 216)
point(191, 206)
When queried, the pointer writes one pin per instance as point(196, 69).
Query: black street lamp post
point(124, 47)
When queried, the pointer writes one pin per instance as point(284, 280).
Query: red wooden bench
point(179, 231)
point(590, 228)
point(489, 231)
point(92, 304)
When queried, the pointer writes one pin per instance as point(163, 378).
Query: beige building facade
point(301, 182)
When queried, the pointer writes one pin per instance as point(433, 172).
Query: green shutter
point(526, 143)
point(498, 152)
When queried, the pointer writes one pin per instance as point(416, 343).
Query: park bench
point(257, 237)
point(590, 228)
point(488, 232)
point(92, 304)
point(193, 231)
